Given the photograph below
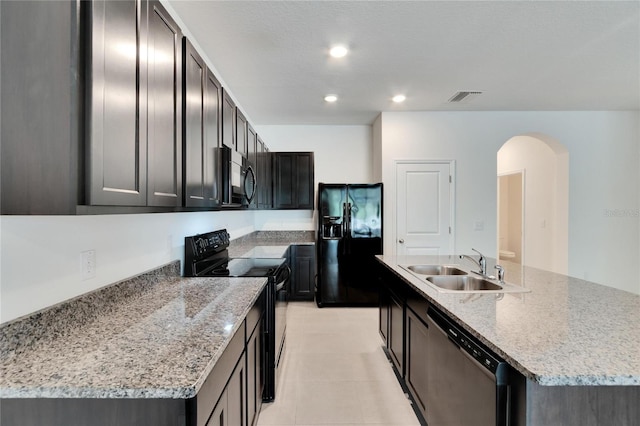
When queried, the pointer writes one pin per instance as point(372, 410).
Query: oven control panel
point(203, 245)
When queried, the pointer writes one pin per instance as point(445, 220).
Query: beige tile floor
point(335, 372)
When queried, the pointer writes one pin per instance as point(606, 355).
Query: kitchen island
point(572, 342)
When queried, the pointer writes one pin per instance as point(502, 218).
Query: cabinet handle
point(401, 241)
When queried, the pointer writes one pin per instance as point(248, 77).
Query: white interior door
point(424, 208)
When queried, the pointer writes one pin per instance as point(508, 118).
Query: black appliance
point(206, 255)
point(238, 178)
point(477, 390)
point(348, 237)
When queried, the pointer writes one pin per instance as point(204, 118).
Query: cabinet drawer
point(254, 315)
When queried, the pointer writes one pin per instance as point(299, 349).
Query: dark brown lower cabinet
point(255, 374)
point(383, 317)
point(416, 360)
point(229, 411)
point(303, 272)
point(396, 333)
point(230, 396)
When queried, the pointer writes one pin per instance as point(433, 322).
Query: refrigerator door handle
point(345, 219)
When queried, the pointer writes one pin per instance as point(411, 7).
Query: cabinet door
point(416, 359)
point(118, 92)
point(383, 320)
point(396, 334)
point(212, 131)
point(194, 117)
point(164, 106)
point(241, 133)
point(236, 396)
point(219, 414)
point(40, 93)
point(304, 179)
point(228, 121)
point(251, 147)
point(284, 183)
point(303, 272)
point(265, 181)
point(255, 380)
point(201, 131)
point(294, 180)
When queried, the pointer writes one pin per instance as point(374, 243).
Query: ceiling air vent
point(464, 96)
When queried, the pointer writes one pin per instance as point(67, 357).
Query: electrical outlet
point(88, 264)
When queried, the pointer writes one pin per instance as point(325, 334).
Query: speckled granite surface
point(155, 336)
point(269, 241)
point(566, 331)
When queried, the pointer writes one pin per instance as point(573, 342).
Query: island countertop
point(159, 340)
point(564, 332)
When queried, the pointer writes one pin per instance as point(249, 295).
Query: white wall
point(341, 154)
point(603, 177)
point(40, 255)
point(545, 175)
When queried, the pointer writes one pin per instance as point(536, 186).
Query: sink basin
point(463, 283)
point(435, 270)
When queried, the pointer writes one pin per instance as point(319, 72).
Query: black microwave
point(238, 178)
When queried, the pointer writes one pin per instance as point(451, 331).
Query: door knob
point(401, 241)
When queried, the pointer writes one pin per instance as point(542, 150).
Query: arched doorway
point(533, 189)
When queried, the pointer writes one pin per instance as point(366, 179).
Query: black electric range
point(207, 255)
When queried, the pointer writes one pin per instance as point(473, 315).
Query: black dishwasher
point(466, 383)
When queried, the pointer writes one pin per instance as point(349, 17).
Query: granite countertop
point(157, 335)
point(565, 331)
point(269, 243)
point(159, 341)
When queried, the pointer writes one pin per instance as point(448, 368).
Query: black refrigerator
point(349, 235)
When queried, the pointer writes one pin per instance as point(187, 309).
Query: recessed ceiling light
point(331, 98)
point(338, 51)
point(399, 98)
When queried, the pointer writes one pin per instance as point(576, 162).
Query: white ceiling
point(524, 55)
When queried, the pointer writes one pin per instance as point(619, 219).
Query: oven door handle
point(283, 278)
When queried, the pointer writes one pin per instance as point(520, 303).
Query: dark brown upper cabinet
point(41, 154)
point(294, 180)
point(100, 124)
point(202, 101)
point(228, 120)
point(134, 91)
point(241, 133)
point(117, 101)
point(265, 175)
point(164, 109)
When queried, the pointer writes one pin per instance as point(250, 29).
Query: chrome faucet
point(482, 262)
point(500, 273)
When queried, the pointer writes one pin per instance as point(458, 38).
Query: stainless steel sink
point(435, 270)
point(463, 283)
point(451, 279)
